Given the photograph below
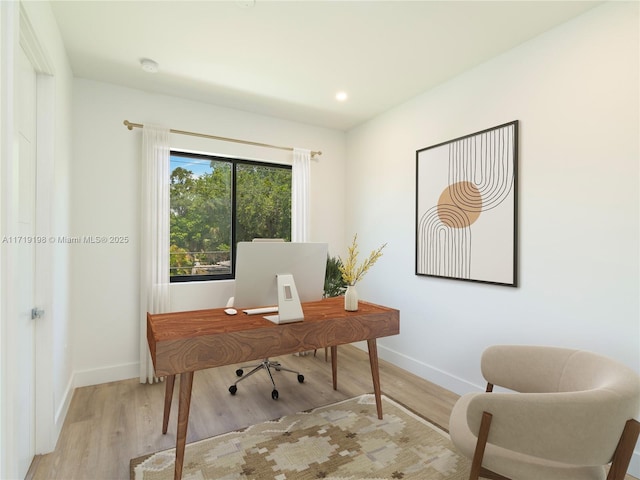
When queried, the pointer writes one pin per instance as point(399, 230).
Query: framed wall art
point(466, 207)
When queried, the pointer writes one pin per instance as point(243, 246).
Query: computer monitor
point(259, 263)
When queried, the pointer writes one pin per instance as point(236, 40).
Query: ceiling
point(288, 59)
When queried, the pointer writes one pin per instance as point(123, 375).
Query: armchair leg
point(483, 435)
point(477, 470)
point(484, 473)
point(624, 450)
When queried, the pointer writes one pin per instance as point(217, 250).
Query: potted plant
point(334, 284)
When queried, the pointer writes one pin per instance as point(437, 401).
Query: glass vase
point(351, 299)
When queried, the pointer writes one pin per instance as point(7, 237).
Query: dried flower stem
point(351, 272)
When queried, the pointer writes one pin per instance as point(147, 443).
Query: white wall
point(575, 92)
point(104, 193)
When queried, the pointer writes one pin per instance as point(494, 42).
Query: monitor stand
point(289, 308)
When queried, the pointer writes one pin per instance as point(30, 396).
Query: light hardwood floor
point(109, 424)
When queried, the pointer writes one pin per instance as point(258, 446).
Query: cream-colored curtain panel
point(300, 184)
point(154, 235)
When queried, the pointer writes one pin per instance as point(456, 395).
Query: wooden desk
point(183, 342)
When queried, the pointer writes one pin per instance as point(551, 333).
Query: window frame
point(234, 161)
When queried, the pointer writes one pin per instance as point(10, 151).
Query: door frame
point(17, 32)
point(45, 416)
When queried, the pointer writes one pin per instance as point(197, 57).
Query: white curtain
point(300, 174)
point(154, 236)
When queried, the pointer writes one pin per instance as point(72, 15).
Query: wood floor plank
point(109, 424)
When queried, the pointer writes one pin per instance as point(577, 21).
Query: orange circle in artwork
point(462, 209)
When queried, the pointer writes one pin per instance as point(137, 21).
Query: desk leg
point(170, 380)
point(186, 382)
point(375, 373)
point(334, 366)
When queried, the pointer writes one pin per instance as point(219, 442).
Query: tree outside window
point(217, 202)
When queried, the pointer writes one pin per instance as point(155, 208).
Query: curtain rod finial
point(128, 125)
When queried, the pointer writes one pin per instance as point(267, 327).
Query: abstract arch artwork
point(466, 207)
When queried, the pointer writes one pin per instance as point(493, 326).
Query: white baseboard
point(63, 409)
point(423, 370)
point(455, 384)
point(96, 376)
point(82, 379)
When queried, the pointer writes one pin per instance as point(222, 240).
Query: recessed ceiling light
point(148, 65)
point(341, 96)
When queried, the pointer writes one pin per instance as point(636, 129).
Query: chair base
point(267, 365)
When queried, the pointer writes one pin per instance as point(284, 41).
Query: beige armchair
point(565, 416)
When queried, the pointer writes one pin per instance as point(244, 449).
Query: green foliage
point(181, 261)
point(334, 284)
point(201, 213)
point(263, 203)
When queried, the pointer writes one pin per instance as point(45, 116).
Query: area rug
point(342, 441)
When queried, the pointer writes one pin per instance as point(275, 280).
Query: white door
point(24, 248)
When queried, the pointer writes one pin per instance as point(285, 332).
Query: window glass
point(263, 202)
point(216, 202)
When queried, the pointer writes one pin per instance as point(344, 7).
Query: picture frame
point(467, 207)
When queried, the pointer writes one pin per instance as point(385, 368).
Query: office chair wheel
point(239, 372)
point(233, 389)
point(274, 394)
point(300, 378)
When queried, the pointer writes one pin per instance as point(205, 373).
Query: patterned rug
point(344, 440)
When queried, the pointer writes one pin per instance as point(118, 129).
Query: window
point(217, 202)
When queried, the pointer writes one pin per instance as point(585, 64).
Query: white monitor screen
point(258, 263)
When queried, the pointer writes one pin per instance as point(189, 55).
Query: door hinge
point(36, 313)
